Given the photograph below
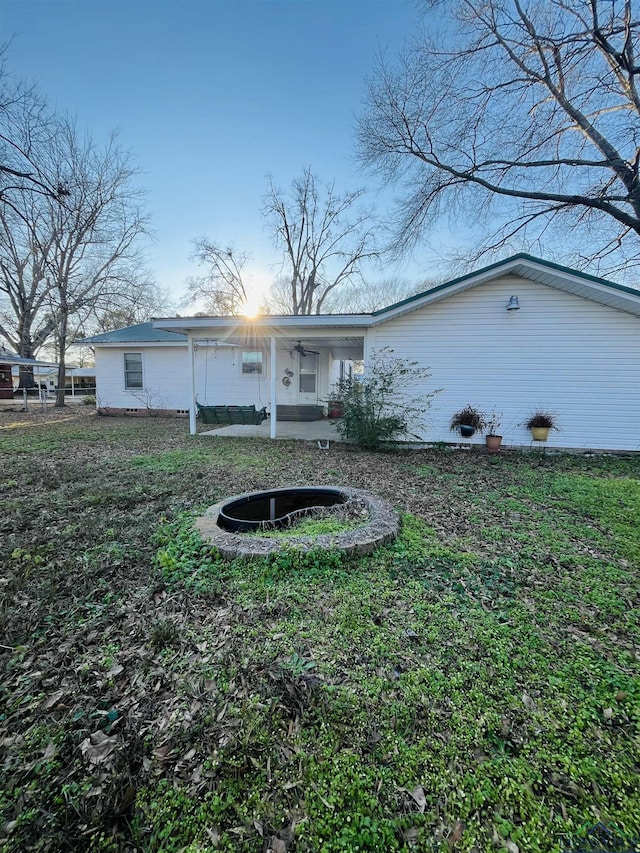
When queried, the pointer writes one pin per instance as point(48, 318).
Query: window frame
point(127, 386)
point(262, 363)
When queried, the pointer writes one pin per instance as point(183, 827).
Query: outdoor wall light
point(513, 304)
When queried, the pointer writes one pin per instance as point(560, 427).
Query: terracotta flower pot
point(539, 433)
point(493, 442)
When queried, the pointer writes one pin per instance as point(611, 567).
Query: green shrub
point(385, 404)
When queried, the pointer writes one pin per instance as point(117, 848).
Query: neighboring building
point(572, 346)
point(10, 365)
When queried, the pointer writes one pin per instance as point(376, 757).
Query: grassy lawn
point(471, 687)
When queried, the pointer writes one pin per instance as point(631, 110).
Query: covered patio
point(323, 430)
point(288, 365)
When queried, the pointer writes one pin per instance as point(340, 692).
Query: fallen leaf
point(456, 834)
point(162, 751)
point(214, 835)
point(98, 747)
point(54, 699)
point(50, 751)
point(411, 836)
point(419, 797)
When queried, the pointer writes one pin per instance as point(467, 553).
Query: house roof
point(267, 323)
point(140, 333)
point(81, 371)
point(7, 357)
point(521, 265)
point(525, 266)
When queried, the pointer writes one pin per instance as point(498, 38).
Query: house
point(568, 342)
point(140, 368)
point(10, 366)
point(77, 380)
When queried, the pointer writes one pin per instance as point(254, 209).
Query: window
point(308, 373)
point(252, 362)
point(133, 370)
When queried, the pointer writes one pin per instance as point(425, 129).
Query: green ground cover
point(473, 686)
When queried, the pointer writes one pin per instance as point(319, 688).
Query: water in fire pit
point(275, 508)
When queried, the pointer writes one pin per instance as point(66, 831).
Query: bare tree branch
point(324, 239)
point(27, 127)
point(222, 287)
point(62, 266)
point(523, 111)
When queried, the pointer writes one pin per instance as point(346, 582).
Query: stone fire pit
point(259, 512)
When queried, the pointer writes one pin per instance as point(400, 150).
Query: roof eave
point(187, 325)
point(502, 268)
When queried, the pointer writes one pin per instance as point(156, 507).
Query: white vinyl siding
point(221, 380)
point(560, 352)
point(165, 375)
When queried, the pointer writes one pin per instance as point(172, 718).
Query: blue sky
point(211, 96)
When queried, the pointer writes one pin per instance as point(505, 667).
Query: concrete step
point(300, 413)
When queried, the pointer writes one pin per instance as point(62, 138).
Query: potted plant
point(335, 403)
point(492, 426)
point(467, 421)
point(540, 423)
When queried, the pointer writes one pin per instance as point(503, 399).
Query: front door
point(308, 379)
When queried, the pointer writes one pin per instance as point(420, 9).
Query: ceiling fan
point(304, 352)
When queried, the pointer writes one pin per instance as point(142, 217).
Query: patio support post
point(192, 385)
point(274, 407)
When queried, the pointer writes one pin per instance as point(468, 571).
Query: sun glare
point(258, 288)
point(251, 308)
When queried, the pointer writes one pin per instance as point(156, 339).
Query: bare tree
point(63, 264)
point(222, 287)
point(361, 298)
point(24, 320)
point(324, 238)
point(515, 115)
point(278, 299)
point(140, 303)
point(27, 128)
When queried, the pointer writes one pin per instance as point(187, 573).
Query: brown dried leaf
point(411, 836)
point(418, 796)
point(54, 699)
point(98, 747)
point(50, 751)
point(456, 834)
point(161, 752)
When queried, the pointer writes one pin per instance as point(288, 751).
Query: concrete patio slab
point(303, 430)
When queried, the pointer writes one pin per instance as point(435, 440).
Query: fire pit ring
point(226, 525)
point(276, 508)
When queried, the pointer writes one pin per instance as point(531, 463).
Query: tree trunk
point(62, 350)
point(60, 383)
point(26, 379)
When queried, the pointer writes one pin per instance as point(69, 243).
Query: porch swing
point(228, 415)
